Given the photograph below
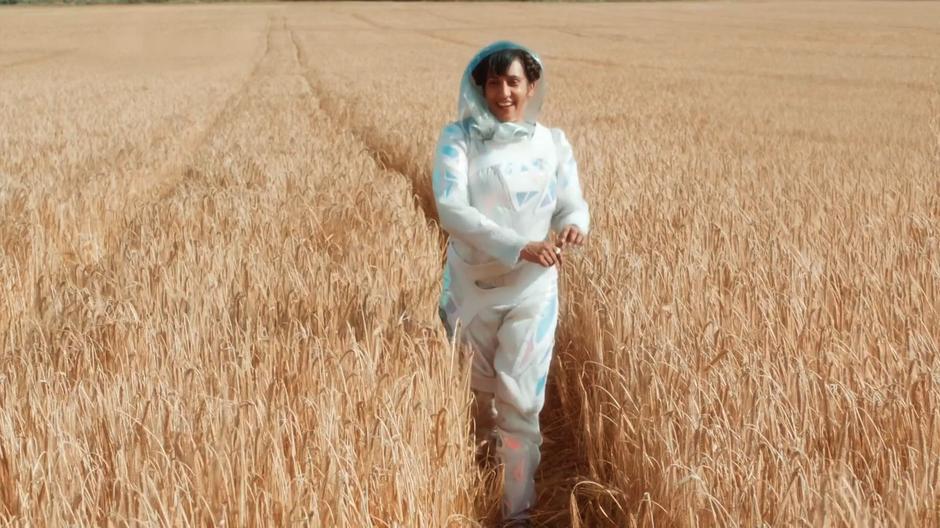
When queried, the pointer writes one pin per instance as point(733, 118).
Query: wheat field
point(219, 266)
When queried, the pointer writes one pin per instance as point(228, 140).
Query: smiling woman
point(502, 183)
point(508, 78)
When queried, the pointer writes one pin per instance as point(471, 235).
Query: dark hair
point(497, 63)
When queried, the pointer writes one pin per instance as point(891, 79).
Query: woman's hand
point(543, 253)
point(570, 235)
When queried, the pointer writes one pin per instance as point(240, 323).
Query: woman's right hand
point(545, 254)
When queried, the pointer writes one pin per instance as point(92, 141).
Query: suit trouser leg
point(526, 339)
point(512, 349)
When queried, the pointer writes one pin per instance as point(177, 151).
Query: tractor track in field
point(43, 57)
point(584, 61)
point(436, 35)
point(382, 151)
point(167, 180)
point(564, 465)
point(169, 177)
point(164, 177)
point(172, 175)
point(169, 173)
point(577, 31)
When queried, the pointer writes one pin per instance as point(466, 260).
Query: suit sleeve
point(571, 208)
point(460, 219)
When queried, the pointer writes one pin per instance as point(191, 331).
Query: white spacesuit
point(499, 186)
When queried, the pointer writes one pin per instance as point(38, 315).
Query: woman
point(502, 182)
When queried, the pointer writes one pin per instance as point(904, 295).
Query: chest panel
point(514, 185)
point(515, 178)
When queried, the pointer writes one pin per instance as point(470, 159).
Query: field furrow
point(219, 265)
point(33, 59)
point(563, 467)
point(245, 287)
point(641, 327)
point(114, 150)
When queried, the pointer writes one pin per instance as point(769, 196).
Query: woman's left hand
point(570, 235)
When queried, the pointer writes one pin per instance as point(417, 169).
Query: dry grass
point(218, 298)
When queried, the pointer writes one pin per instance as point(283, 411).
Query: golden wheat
point(219, 265)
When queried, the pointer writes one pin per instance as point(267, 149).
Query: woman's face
point(507, 94)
